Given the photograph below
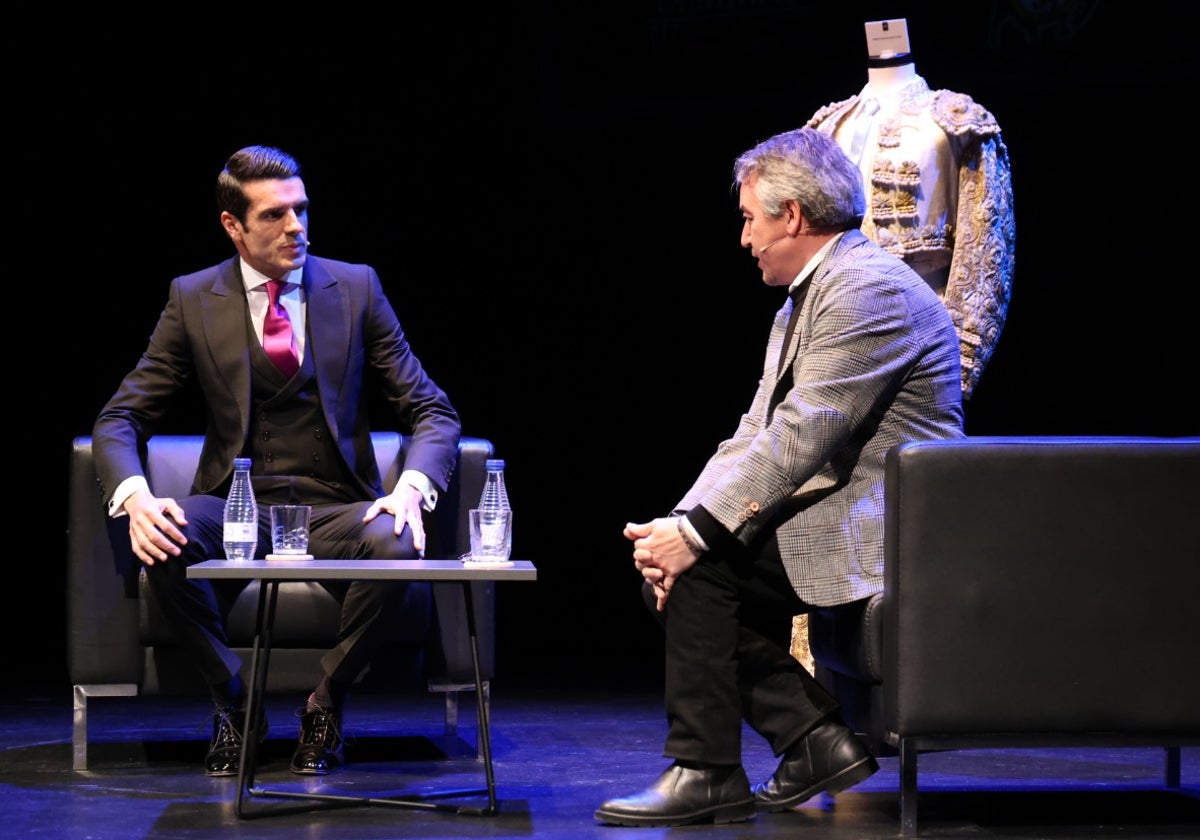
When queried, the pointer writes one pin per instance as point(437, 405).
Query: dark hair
point(253, 163)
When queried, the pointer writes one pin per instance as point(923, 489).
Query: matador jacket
point(939, 196)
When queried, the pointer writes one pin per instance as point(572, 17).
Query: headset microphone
point(763, 249)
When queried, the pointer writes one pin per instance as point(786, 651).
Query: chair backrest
point(1042, 584)
point(103, 601)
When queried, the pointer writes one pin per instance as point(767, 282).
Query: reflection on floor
point(556, 757)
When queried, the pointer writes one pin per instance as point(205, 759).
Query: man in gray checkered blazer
point(787, 515)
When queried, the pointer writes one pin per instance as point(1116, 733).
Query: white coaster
point(289, 557)
point(491, 564)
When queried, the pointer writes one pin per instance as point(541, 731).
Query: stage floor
point(557, 754)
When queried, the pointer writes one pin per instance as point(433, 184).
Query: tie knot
point(274, 288)
point(277, 332)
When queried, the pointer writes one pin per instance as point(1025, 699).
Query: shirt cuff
point(692, 533)
point(423, 485)
point(116, 505)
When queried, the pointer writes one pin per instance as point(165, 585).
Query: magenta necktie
point(277, 332)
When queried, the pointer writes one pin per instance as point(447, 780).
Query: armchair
point(118, 644)
point(1039, 591)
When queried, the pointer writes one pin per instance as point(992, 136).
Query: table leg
point(268, 594)
point(483, 723)
point(267, 597)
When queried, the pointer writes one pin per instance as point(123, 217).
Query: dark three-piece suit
point(308, 436)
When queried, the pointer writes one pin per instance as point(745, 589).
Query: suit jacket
point(353, 336)
point(874, 363)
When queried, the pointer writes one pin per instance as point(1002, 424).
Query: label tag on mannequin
point(887, 38)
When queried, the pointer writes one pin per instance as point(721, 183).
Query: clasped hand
point(660, 554)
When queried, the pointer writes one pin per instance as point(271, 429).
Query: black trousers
point(728, 626)
point(196, 608)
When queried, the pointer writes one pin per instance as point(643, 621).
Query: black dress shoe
point(683, 796)
point(830, 758)
point(320, 749)
point(224, 756)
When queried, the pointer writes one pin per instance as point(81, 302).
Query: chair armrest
point(450, 606)
point(102, 602)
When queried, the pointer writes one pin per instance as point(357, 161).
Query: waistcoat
point(295, 457)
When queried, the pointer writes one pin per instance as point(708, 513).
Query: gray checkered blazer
point(875, 362)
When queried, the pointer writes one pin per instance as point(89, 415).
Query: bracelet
point(688, 541)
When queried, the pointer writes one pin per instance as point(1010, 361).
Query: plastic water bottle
point(241, 514)
point(495, 494)
point(494, 539)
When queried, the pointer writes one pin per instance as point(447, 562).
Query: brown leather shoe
point(683, 796)
point(320, 749)
point(829, 758)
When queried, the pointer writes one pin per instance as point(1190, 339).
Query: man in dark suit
point(787, 514)
point(302, 420)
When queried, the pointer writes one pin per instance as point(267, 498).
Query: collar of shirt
point(254, 279)
point(811, 265)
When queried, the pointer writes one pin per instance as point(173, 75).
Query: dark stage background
point(545, 191)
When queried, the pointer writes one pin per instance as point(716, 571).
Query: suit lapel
point(227, 331)
point(783, 346)
point(328, 322)
point(793, 335)
point(790, 341)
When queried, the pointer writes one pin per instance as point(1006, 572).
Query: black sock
point(231, 694)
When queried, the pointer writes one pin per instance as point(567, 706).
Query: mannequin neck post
point(888, 75)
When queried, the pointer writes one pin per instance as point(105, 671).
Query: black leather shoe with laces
point(320, 749)
point(224, 756)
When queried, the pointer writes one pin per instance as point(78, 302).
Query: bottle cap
point(241, 463)
point(494, 464)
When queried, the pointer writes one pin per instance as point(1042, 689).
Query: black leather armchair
point(118, 644)
point(1040, 591)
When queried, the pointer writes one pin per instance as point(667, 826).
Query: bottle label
point(241, 532)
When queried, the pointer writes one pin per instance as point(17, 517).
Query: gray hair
point(808, 166)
